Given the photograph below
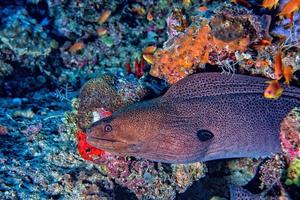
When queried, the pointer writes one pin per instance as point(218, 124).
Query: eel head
point(147, 130)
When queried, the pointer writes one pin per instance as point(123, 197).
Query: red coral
point(128, 68)
point(87, 151)
point(139, 66)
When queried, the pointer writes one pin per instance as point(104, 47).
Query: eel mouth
point(113, 146)
point(102, 143)
point(102, 139)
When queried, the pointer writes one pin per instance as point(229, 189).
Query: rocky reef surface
point(128, 51)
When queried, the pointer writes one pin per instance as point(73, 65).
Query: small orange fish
point(148, 58)
point(202, 8)
point(288, 74)
point(140, 10)
point(101, 31)
point(270, 4)
point(149, 50)
point(265, 42)
point(104, 17)
point(278, 65)
point(77, 46)
point(260, 46)
point(186, 3)
point(290, 8)
point(273, 90)
point(149, 16)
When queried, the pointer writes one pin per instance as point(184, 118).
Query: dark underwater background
point(50, 48)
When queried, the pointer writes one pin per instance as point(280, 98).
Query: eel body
point(203, 117)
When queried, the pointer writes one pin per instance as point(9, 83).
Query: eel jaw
point(113, 146)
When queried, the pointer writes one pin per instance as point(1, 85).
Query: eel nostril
point(88, 131)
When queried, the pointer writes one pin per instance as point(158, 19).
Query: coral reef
point(271, 171)
point(213, 41)
point(38, 36)
point(290, 142)
point(228, 39)
point(176, 22)
point(186, 174)
point(107, 93)
point(50, 48)
point(38, 155)
point(242, 170)
point(72, 18)
point(148, 180)
point(5, 69)
point(293, 174)
point(24, 35)
point(290, 135)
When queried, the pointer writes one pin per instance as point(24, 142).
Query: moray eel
point(203, 117)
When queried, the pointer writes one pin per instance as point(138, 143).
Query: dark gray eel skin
point(203, 117)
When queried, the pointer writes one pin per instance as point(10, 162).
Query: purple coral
point(271, 171)
point(176, 23)
point(290, 135)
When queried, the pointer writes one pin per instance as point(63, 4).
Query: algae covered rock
point(24, 35)
point(5, 69)
point(293, 174)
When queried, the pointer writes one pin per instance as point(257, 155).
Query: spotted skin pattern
point(231, 107)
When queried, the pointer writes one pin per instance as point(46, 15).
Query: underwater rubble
point(66, 64)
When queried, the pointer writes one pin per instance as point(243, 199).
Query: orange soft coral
point(190, 50)
point(211, 41)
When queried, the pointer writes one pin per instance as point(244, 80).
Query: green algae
point(108, 41)
point(293, 174)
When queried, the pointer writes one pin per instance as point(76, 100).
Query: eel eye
point(204, 135)
point(107, 128)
